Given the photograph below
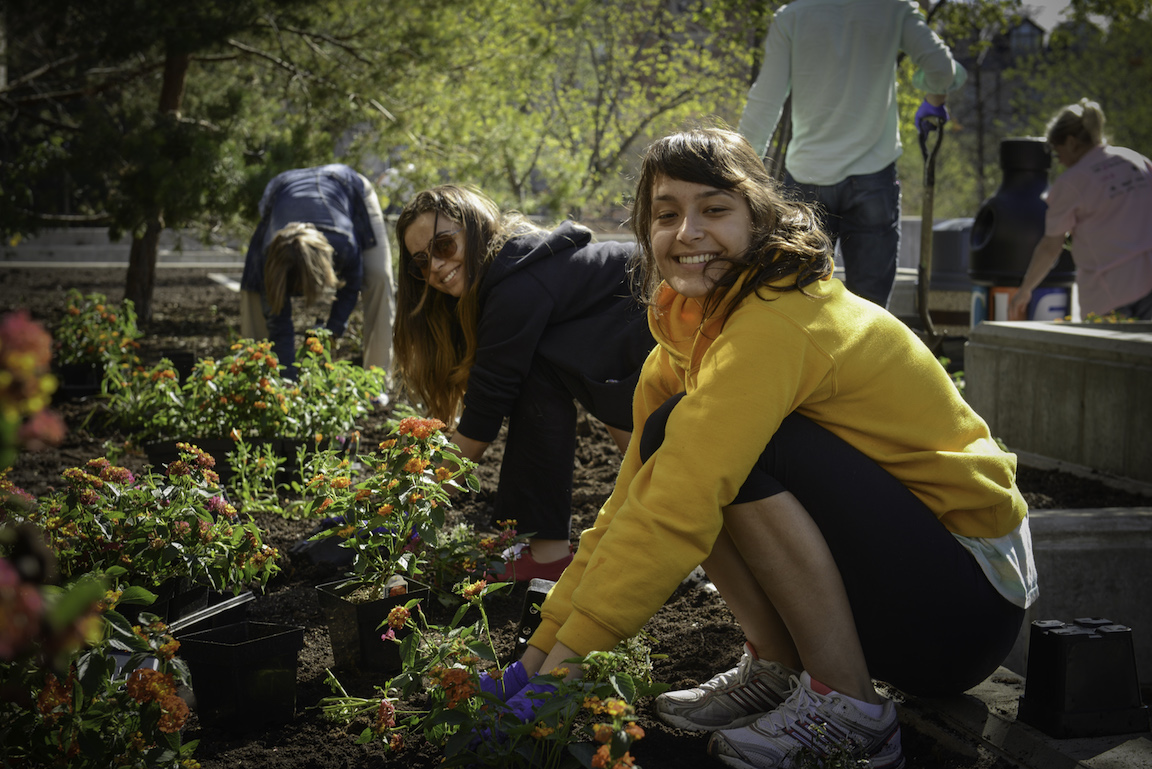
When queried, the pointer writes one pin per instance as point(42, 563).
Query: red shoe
point(524, 567)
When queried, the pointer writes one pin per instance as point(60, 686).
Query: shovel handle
point(930, 124)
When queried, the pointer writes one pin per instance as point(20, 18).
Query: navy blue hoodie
point(558, 296)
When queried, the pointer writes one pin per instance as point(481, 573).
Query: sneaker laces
point(737, 674)
point(801, 702)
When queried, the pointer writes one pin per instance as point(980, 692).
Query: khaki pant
point(377, 293)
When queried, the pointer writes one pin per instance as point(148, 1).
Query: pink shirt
point(1105, 201)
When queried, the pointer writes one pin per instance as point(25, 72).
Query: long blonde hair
point(298, 263)
point(786, 237)
point(434, 338)
point(1083, 121)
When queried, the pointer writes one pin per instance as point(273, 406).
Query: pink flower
point(41, 430)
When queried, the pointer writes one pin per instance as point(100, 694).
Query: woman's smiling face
point(692, 225)
point(440, 241)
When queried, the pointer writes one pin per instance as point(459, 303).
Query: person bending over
point(320, 228)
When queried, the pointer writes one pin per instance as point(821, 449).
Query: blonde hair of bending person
point(298, 263)
point(434, 338)
point(1083, 121)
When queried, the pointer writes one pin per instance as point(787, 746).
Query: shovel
point(928, 148)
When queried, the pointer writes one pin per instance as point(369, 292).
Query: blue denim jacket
point(331, 198)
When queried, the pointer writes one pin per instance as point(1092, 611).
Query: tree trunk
point(142, 261)
point(142, 270)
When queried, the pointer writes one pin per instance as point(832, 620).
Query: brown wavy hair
point(298, 263)
point(434, 338)
point(786, 238)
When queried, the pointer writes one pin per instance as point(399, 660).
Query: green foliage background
point(544, 104)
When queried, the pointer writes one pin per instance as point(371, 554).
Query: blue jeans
point(863, 213)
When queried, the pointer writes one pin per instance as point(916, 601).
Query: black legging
point(929, 621)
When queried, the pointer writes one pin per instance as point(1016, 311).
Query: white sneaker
point(734, 698)
point(823, 726)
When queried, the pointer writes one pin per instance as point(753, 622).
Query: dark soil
point(695, 629)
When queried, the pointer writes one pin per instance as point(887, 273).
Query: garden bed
point(694, 628)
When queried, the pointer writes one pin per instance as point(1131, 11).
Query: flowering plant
point(463, 551)
point(65, 701)
point(384, 518)
point(26, 387)
point(588, 722)
point(244, 395)
point(84, 715)
point(96, 332)
point(144, 531)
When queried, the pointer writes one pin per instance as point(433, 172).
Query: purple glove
point(520, 705)
point(510, 684)
point(927, 109)
point(523, 705)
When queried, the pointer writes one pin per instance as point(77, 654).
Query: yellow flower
point(616, 707)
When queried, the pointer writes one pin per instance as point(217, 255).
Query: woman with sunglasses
point(498, 319)
point(320, 228)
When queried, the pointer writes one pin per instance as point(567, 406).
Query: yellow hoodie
point(839, 360)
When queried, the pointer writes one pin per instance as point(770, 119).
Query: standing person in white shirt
point(837, 58)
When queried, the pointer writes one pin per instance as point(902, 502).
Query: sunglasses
point(442, 246)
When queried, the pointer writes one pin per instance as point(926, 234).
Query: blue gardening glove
point(528, 700)
point(521, 705)
point(927, 109)
point(510, 684)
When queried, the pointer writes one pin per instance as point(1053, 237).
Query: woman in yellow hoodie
point(810, 452)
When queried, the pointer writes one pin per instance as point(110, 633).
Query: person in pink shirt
point(1104, 202)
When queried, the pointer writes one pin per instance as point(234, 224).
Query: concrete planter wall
point(1079, 393)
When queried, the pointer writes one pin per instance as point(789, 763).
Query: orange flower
point(616, 707)
point(54, 695)
point(174, 712)
point(398, 617)
point(473, 590)
point(146, 685)
point(634, 731)
point(416, 465)
point(602, 733)
point(419, 428)
point(457, 684)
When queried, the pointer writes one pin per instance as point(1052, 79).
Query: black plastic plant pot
point(354, 628)
point(175, 598)
point(219, 611)
point(77, 380)
point(244, 674)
